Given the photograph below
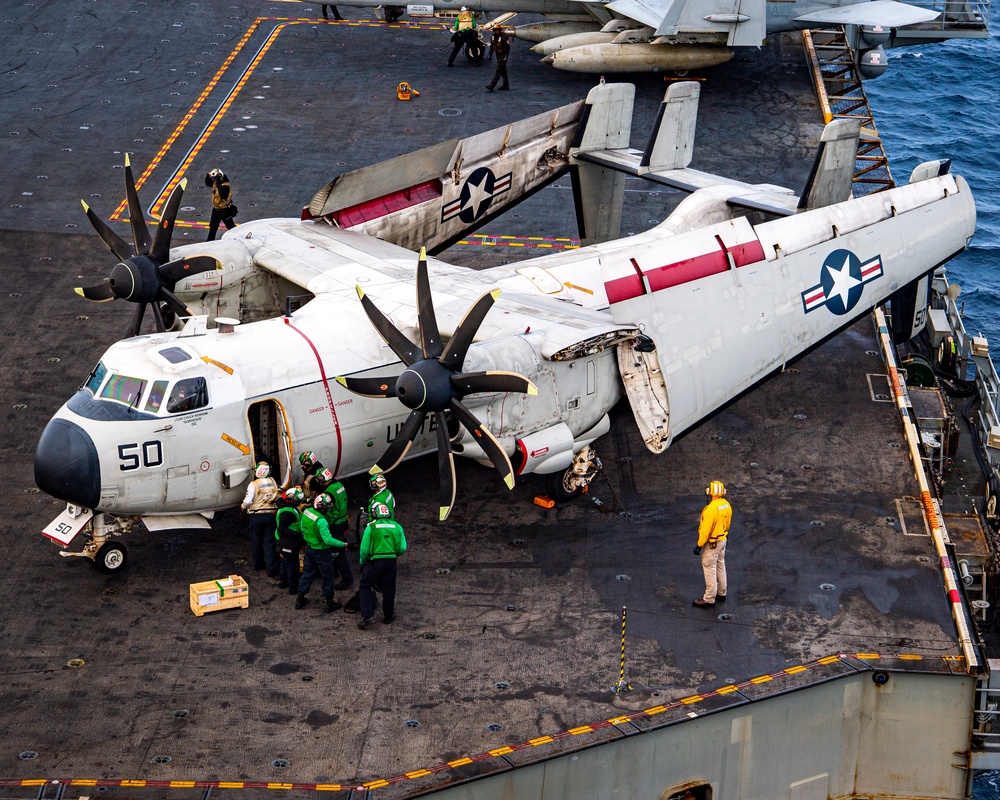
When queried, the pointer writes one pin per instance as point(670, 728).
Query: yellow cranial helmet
point(716, 489)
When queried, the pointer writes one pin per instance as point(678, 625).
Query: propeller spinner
point(145, 275)
point(433, 384)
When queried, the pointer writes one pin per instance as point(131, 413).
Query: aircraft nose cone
point(66, 464)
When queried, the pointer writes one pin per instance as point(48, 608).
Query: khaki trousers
point(713, 562)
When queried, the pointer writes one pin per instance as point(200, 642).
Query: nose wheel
point(111, 557)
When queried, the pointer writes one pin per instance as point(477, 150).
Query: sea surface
point(943, 101)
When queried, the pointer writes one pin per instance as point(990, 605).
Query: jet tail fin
point(832, 175)
point(598, 190)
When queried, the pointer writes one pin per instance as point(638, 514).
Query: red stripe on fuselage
point(690, 269)
point(326, 386)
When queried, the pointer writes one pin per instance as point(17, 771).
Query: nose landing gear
point(108, 555)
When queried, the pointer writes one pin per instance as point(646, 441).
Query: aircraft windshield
point(187, 395)
point(124, 389)
point(155, 399)
point(96, 378)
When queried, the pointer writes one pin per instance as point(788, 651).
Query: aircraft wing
point(436, 196)
point(887, 13)
point(732, 22)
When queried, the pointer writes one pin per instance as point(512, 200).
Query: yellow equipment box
point(216, 595)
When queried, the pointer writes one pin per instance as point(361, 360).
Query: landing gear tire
point(111, 558)
point(474, 52)
point(557, 487)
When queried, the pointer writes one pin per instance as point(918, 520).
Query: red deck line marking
point(326, 386)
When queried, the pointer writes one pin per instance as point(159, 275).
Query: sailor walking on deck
point(713, 533)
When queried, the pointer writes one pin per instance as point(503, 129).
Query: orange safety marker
point(544, 502)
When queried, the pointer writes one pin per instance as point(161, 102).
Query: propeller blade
point(397, 448)
point(492, 381)
point(430, 337)
point(140, 235)
point(161, 323)
point(101, 293)
point(485, 440)
point(446, 466)
point(174, 271)
point(175, 303)
point(369, 387)
point(458, 345)
point(119, 248)
point(136, 326)
point(406, 350)
point(160, 251)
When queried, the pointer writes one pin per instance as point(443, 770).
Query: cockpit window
point(187, 395)
point(96, 378)
point(175, 355)
point(155, 399)
point(124, 389)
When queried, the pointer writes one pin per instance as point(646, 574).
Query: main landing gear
point(570, 484)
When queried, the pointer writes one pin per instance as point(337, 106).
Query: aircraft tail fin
point(598, 190)
point(832, 175)
point(671, 143)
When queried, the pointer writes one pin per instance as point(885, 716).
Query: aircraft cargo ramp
point(814, 679)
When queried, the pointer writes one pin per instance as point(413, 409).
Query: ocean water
point(943, 101)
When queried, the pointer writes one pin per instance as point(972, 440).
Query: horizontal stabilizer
point(887, 13)
point(647, 13)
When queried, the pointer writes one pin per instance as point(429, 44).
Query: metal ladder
point(841, 93)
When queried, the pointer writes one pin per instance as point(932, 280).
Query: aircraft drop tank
point(638, 57)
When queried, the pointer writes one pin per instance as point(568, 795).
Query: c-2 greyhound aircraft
point(515, 366)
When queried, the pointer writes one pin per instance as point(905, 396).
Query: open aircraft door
point(270, 438)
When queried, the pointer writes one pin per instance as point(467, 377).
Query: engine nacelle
point(552, 449)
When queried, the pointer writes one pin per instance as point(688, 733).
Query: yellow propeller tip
point(127, 162)
point(360, 291)
point(184, 184)
point(79, 292)
point(341, 380)
point(423, 253)
point(495, 294)
point(532, 389)
point(444, 511)
point(85, 206)
point(375, 470)
point(509, 480)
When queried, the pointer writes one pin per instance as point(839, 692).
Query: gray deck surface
point(505, 592)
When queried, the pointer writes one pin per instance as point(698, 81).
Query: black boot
point(301, 601)
point(331, 605)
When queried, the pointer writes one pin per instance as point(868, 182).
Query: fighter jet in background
point(680, 35)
